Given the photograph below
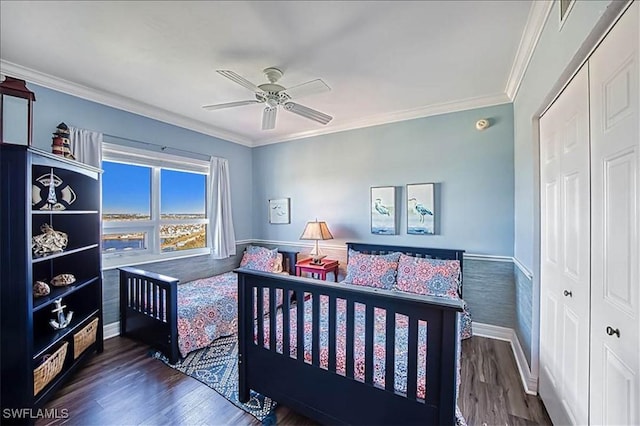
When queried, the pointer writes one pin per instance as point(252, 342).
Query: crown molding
point(538, 15)
point(117, 101)
point(410, 114)
point(149, 111)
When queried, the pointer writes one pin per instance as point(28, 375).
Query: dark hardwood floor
point(125, 386)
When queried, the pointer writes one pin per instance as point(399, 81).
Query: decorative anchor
point(51, 198)
point(63, 320)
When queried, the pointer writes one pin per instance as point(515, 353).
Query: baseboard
point(529, 382)
point(111, 330)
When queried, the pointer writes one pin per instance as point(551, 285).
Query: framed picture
point(279, 211)
point(383, 210)
point(421, 213)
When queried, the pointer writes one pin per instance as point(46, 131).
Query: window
point(154, 206)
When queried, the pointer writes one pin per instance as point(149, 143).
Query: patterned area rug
point(217, 367)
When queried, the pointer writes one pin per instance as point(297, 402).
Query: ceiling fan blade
point(307, 112)
point(309, 88)
point(269, 118)
point(230, 105)
point(240, 80)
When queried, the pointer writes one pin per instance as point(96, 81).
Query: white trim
point(128, 154)
point(561, 19)
point(529, 381)
point(487, 257)
point(131, 261)
point(115, 262)
point(527, 273)
point(111, 330)
point(538, 15)
point(130, 105)
point(426, 111)
point(120, 102)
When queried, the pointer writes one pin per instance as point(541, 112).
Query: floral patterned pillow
point(372, 270)
point(433, 277)
point(260, 259)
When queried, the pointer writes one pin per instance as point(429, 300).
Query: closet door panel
point(615, 326)
point(565, 272)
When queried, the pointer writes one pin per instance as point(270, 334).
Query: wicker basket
point(49, 369)
point(85, 337)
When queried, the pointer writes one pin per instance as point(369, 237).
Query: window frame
point(156, 161)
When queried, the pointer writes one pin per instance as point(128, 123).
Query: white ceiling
point(384, 61)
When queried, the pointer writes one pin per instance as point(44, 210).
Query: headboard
point(424, 252)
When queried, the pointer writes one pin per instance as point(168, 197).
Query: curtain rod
point(163, 148)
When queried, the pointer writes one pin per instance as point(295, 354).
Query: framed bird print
point(279, 210)
point(383, 210)
point(421, 213)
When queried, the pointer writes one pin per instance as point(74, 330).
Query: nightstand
point(328, 265)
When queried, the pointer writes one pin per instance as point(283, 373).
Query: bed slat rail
point(148, 305)
point(294, 381)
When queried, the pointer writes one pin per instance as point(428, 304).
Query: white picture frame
point(279, 211)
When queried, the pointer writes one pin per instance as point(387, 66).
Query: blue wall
point(52, 107)
point(329, 177)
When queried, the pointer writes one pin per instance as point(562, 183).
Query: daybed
point(365, 347)
point(180, 318)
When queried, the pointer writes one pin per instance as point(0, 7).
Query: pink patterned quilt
point(207, 310)
point(401, 340)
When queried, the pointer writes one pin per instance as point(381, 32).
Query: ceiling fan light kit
point(273, 95)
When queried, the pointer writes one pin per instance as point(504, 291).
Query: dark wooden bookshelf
point(26, 337)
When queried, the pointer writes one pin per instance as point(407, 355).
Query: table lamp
point(316, 231)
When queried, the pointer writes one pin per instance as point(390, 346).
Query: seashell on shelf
point(40, 288)
point(50, 241)
point(63, 280)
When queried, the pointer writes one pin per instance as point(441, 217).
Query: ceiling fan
point(273, 94)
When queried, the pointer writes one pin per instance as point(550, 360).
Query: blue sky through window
point(126, 189)
point(182, 192)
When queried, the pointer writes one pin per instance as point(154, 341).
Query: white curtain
point(221, 233)
point(86, 146)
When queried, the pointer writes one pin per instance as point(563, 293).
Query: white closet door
point(564, 280)
point(615, 326)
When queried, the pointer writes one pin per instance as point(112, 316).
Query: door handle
point(611, 331)
point(568, 293)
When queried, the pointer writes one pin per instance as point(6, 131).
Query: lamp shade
point(316, 231)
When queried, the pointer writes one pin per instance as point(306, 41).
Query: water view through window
point(127, 198)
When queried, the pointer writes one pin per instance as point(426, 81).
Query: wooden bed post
point(449, 368)
point(244, 333)
point(123, 303)
point(172, 318)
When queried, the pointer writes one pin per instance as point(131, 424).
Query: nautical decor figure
point(51, 198)
point(61, 145)
point(63, 320)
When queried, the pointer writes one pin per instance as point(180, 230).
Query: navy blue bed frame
point(156, 324)
point(332, 398)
